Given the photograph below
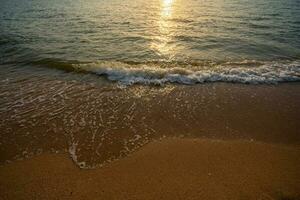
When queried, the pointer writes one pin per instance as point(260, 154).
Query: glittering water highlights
point(165, 32)
point(96, 122)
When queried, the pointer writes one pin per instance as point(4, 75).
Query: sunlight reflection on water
point(161, 42)
point(153, 30)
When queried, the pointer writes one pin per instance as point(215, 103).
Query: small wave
point(69, 66)
point(160, 73)
point(180, 20)
point(262, 73)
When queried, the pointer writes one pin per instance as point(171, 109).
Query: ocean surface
point(154, 41)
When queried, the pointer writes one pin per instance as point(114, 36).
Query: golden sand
point(167, 169)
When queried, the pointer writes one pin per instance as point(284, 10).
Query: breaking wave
point(248, 72)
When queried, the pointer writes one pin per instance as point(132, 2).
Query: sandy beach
point(97, 123)
point(212, 141)
point(149, 100)
point(166, 169)
point(94, 140)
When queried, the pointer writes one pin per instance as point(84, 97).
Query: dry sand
point(167, 169)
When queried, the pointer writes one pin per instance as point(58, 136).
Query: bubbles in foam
point(243, 72)
point(72, 151)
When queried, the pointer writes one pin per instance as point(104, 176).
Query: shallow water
point(96, 121)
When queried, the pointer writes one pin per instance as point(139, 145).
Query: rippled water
point(156, 34)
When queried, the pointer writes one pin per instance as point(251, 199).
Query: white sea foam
point(268, 73)
point(72, 151)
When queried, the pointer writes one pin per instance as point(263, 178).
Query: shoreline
point(167, 169)
point(237, 141)
point(99, 123)
point(150, 100)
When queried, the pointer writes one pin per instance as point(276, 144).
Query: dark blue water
point(156, 41)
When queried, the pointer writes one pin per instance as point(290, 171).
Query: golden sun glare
point(164, 25)
point(167, 7)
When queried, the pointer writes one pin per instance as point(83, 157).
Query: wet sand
point(166, 169)
point(97, 122)
point(219, 141)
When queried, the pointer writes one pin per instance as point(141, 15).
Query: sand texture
point(167, 169)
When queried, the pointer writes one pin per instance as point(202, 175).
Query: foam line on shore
point(266, 73)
